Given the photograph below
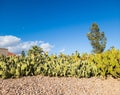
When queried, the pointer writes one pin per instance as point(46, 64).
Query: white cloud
point(9, 41)
point(46, 47)
point(15, 45)
point(62, 50)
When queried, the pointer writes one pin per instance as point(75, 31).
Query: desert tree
point(97, 39)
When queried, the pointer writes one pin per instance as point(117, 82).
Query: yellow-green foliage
point(85, 65)
point(108, 63)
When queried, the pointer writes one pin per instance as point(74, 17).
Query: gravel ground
point(42, 85)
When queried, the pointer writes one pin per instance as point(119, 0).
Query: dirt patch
point(41, 85)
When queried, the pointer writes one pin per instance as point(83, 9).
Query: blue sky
point(61, 24)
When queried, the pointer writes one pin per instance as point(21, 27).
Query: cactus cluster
point(85, 65)
point(108, 63)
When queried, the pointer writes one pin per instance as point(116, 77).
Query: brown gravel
point(41, 85)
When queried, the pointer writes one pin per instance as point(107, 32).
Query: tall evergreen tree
point(97, 39)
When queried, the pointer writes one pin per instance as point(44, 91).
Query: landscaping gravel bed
point(43, 85)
